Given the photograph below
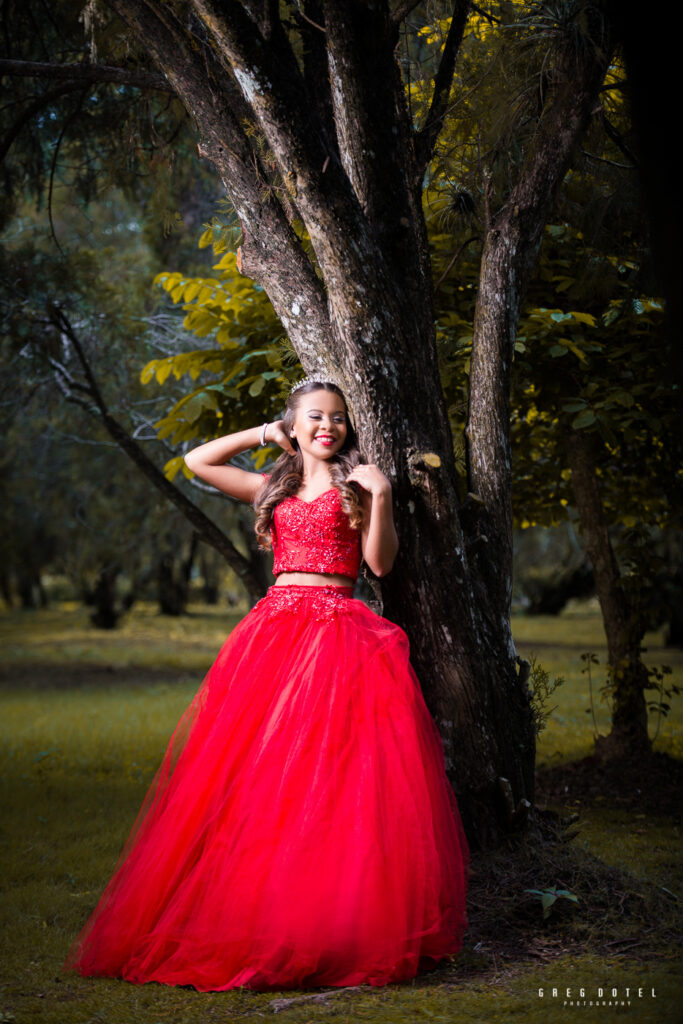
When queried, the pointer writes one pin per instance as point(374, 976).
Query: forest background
point(137, 319)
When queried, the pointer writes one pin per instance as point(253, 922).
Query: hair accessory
point(315, 378)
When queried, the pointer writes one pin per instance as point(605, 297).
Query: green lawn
point(85, 719)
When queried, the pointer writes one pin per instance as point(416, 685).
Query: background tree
point(76, 324)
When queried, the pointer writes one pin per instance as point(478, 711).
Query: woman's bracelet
point(263, 434)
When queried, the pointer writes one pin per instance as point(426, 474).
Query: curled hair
point(287, 474)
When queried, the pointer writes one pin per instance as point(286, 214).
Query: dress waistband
point(342, 589)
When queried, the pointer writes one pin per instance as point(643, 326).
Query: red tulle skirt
point(301, 830)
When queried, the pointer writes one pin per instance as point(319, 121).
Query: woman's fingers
point(280, 438)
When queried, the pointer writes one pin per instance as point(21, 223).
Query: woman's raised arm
point(379, 539)
point(208, 460)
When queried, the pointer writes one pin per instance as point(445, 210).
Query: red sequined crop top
point(314, 536)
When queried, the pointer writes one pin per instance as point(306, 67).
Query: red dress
point(301, 830)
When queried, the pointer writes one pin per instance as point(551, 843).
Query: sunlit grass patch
point(63, 635)
point(558, 642)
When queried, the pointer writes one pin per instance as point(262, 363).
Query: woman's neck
point(315, 475)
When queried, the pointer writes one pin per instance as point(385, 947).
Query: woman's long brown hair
point(287, 474)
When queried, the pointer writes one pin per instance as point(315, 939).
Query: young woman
point(301, 830)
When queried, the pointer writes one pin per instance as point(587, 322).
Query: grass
point(85, 719)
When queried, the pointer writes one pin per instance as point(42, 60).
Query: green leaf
point(257, 386)
point(574, 406)
point(624, 398)
point(198, 404)
point(584, 419)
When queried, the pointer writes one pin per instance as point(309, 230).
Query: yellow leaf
point(148, 372)
point(206, 239)
point(568, 343)
point(164, 367)
point(173, 466)
point(583, 318)
point(229, 262)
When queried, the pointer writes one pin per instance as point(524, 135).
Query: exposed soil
point(42, 675)
point(653, 784)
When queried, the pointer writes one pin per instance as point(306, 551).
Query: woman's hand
point(371, 478)
point(276, 434)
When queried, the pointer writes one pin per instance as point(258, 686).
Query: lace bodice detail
point(315, 536)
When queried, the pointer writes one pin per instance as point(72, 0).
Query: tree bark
point(84, 73)
point(624, 629)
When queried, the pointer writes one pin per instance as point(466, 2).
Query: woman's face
point(320, 423)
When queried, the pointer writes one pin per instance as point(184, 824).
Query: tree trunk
point(108, 609)
point(623, 626)
point(173, 578)
point(210, 565)
point(28, 586)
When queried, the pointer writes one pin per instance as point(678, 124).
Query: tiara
point(313, 379)
point(316, 378)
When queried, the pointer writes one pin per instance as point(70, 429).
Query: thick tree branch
point(375, 140)
point(272, 253)
point(31, 110)
point(316, 73)
point(425, 139)
point(267, 16)
point(93, 73)
point(274, 89)
point(619, 140)
point(510, 251)
point(205, 527)
point(402, 10)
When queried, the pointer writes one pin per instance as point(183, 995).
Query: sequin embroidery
point(317, 602)
point(315, 536)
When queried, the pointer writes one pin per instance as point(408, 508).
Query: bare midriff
point(313, 579)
